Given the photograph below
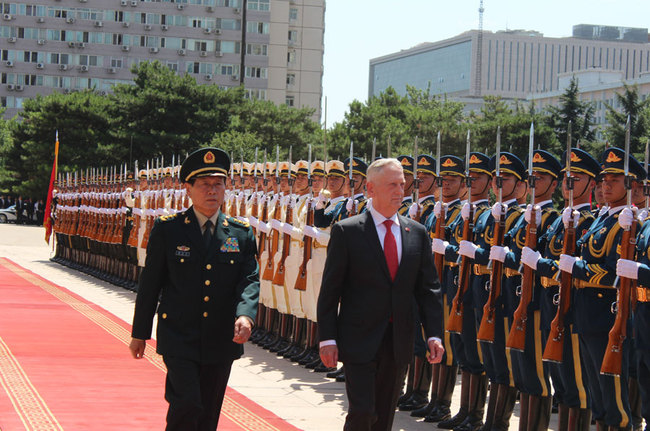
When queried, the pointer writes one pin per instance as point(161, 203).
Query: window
point(200, 46)
point(290, 100)
point(293, 36)
point(30, 57)
point(116, 62)
point(256, 49)
point(291, 57)
point(256, 72)
point(173, 66)
point(257, 27)
point(228, 3)
point(193, 67)
point(291, 78)
point(258, 5)
point(88, 60)
point(293, 14)
point(229, 24)
point(228, 47)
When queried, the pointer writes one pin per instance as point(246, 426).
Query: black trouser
point(195, 393)
point(373, 389)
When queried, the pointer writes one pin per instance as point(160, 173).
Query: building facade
point(513, 64)
point(71, 45)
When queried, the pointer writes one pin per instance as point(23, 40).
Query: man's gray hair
point(378, 165)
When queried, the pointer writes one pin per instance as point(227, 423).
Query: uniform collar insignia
point(187, 220)
point(225, 222)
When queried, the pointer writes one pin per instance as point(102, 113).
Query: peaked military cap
point(479, 162)
point(546, 163)
point(582, 161)
point(284, 169)
point(318, 168)
point(426, 164)
point(302, 167)
point(407, 163)
point(358, 166)
point(452, 165)
point(205, 162)
point(509, 163)
point(247, 168)
point(143, 174)
point(613, 160)
point(335, 168)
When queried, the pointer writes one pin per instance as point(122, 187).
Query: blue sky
point(358, 30)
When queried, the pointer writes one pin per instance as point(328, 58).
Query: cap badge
point(208, 157)
point(612, 158)
point(405, 162)
point(537, 158)
point(449, 163)
point(504, 160)
point(575, 158)
point(423, 162)
point(473, 160)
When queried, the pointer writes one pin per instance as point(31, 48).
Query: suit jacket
point(356, 276)
point(201, 291)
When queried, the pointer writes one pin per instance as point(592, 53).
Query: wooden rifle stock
point(439, 259)
point(612, 361)
point(455, 321)
point(554, 349)
point(301, 280)
point(255, 209)
point(261, 242)
point(274, 244)
point(486, 328)
point(517, 337)
point(278, 278)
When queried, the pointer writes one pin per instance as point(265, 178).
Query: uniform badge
point(187, 220)
point(183, 251)
point(231, 245)
point(225, 222)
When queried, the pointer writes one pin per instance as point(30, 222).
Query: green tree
point(639, 112)
point(580, 114)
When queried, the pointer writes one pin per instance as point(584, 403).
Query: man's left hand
point(243, 327)
point(436, 350)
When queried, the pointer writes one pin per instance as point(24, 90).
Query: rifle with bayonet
point(255, 209)
point(416, 182)
point(351, 181)
point(274, 239)
point(612, 361)
point(487, 326)
point(455, 322)
point(278, 278)
point(264, 218)
point(301, 280)
point(517, 337)
point(554, 350)
point(242, 202)
point(439, 233)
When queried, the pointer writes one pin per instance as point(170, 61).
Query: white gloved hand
point(276, 224)
point(351, 204)
point(438, 208)
point(467, 249)
point(625, 218)
point(414, 210)
point(627, 269)
point(566, 217)
point(253, 221)
point(498, 253)
point(464, 212)
point(567, 262)
point(529, 212)
point(642, 215)
point(323, 237)
point(264, 227)
point(320, 202)
point(498, 210)
point(603, 210)
point(438, 246)
point(530, 257)
point(287, 228)
point(310, 231)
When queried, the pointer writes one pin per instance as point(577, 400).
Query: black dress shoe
point(335, 373)
point(439, 414)
point(424, 411)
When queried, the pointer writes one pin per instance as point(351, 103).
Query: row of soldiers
point(486, 255)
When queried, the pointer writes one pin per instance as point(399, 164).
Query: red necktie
point(390, 250)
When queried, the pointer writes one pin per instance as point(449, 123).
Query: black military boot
point(562, 417)
point(635, 404)
point(459, 417)
point(477, 396)
point(491, 407)
point(444, 391)
point(505, 404)
point(410, 379)
point(539, 412)
point(523, 411)
point(424, 411)
point(579, 419)
point(420, 396)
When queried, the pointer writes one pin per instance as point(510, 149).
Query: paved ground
point(308, 400)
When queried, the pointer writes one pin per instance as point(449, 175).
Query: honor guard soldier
point(531, 379)
point(329, 203)
point(565, 370)
point(594, 274)
point(447, 209)
point(407, 166)
point(508, 184)
point(426, 177)
point(355, 204)
point(201, 279)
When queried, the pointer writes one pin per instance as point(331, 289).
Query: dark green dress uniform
point(595, 273)
point(197, 291)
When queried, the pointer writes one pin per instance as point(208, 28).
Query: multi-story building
point(512, 64)
point(68, 45)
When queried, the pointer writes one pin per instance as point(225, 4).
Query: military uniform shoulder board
point(168, 217)
point(238, 222)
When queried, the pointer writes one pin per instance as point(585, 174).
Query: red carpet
point(65, 365)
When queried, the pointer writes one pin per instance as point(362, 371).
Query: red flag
point(47, 221)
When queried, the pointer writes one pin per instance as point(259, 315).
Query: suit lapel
point(370, 232)
point(405, 231)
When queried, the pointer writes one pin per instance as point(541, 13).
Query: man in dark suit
point(379, 266)
point(202, 264)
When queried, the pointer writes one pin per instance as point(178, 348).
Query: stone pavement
point(307, 400)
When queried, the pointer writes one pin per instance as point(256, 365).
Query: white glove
point(625, 218)
point(320, 202)
point(642, 215)
point(438, 246)
point(498, 210)
point(566, 217)
point(323, 237)
point(530, 257)
point(603, 210)
point(567, 262)
point(414, 210)
point(276, 224)
point(264, 227)
point(287, 228)
point(498, 253)
point(529, 212)
point(464, 212)
point(253, 221)
point(467, 249)
point(310, 231)
point(350, 204)
point(284, 200)
point(438, 208)
point(627, 269)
